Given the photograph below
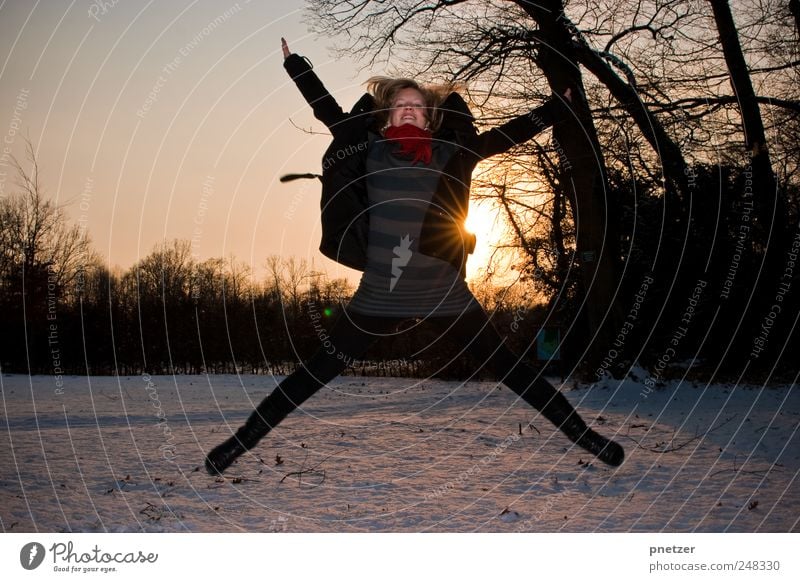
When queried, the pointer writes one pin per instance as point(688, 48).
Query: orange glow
point(487, 223)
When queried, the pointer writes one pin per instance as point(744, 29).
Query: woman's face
point(408, 107)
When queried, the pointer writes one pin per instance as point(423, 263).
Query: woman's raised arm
point(325, 107)
point(522, 128)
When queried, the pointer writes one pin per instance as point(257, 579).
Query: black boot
point(301, 385)
point(247, 437)
point(561, 413)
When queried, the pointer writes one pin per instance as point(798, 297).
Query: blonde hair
point(385, 89)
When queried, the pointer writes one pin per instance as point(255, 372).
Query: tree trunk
point(755, 139)
point(595, 235)
point(794, 8)
point(760, 190)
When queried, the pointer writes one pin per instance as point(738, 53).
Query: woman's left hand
point(568, 94)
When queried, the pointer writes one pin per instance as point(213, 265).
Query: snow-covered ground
point(393, 454)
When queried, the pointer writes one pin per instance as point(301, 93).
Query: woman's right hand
point(285, 48)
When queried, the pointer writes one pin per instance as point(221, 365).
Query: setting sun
point(489, 227)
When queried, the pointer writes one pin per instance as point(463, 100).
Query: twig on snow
point(313, 469)
point(678, 447)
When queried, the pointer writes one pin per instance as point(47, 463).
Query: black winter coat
point(344, 204)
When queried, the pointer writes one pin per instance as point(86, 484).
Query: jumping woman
point(395, 192)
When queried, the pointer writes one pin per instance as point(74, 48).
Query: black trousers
point(353, 333)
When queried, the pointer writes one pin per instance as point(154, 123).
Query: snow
point(124, 454)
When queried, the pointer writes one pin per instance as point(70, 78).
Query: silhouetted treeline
point(710, 282)
point(171, 314)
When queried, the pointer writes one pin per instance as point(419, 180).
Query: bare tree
point(36, 238)
point(207, 280)
point(752, 124)
point(237, 284)
point(167, 271)
point(288, 277)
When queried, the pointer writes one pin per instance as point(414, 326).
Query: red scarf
point(413, 141)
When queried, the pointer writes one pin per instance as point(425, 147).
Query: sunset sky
point(156, 121)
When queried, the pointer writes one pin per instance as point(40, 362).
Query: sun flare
point(486, 222)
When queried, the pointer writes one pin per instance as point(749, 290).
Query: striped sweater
point(398, 280)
